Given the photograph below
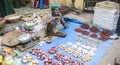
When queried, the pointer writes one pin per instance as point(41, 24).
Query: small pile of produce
point(94, 29)
point(52, 50)
point(85, 32)
point(104, 35)
point(78, 30)
point(85, 26)
point(93, 35)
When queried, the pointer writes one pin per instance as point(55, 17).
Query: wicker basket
point(11, 39)
point(2, 24)
point(13, 18)
point(28, 17)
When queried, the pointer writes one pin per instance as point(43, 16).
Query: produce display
point(83, 50)
point(49, 60)
point(78, 51)
point(94, 32)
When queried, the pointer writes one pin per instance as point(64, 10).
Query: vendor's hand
point(57, 17)
point(66, 26)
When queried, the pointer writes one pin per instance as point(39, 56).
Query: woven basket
point(2, 24)
point(11, 39)
point(28, 17)
point(13, 18)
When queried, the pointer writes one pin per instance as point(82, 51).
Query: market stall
point(69, 46)
point(22, 43)
point(77, 47)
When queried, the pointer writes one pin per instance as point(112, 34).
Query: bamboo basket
point(28, 17)
point(11, 39)
point(13, 18)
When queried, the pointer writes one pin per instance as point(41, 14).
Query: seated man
point(55, 23)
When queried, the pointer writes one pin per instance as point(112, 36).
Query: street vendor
point(55, 22)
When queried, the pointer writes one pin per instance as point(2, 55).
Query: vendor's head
point(55, 9)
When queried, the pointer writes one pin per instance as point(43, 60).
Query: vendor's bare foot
point(115, 36)
point(48, 39)
point(60, 34)
point(66, 26)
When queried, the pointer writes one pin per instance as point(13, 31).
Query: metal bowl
point(25, 38)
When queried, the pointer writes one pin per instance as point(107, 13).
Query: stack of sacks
point(106, 15)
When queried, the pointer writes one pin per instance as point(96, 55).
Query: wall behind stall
point(53, 2)
point(78, 3)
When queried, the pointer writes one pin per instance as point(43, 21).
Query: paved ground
point(108, 58)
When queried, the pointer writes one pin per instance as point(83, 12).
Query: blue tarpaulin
point(71, 37)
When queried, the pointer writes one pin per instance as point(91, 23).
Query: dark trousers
point(6, 7)
point(19, 3)
point(118, 26)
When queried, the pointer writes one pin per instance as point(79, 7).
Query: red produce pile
point(93, 35)
point(105, 33)
point(69, 61)
point(103, 38)
point(57, 63)
point(85, 26)
point(39, 53)
point(78, 30)
point(94, 29)
point(85, 32)
point(52, 50)
point(59, 56)
point(48, 61)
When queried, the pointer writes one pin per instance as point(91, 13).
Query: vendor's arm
point(49, 19)
point(63, 22)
